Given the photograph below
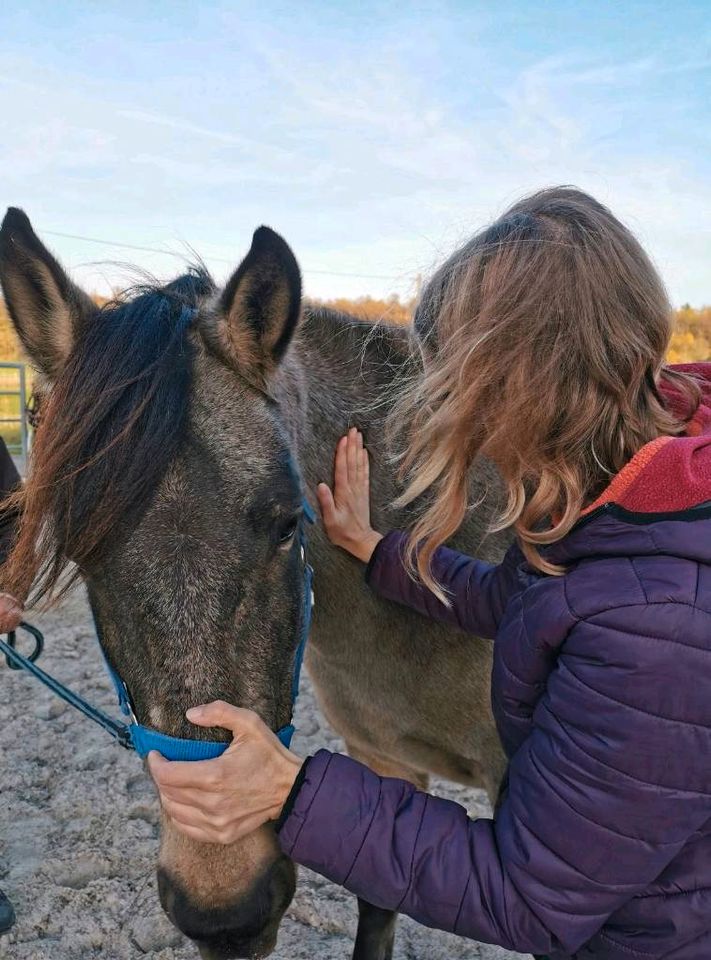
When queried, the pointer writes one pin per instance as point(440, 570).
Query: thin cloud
point(372, 149)
point(183, 126)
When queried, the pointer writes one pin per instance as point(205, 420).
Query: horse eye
point(286, 535)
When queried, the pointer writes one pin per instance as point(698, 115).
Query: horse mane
point(109, 428)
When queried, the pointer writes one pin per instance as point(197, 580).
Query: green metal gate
point(13, 418)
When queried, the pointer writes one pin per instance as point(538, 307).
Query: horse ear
point(47, 310)
point(260, 307)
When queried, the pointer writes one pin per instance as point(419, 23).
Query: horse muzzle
point(246, 928)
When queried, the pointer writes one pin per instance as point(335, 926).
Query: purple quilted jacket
point(601, 690)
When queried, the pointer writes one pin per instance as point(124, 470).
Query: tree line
point(690, 341)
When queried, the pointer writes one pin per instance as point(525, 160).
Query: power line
point(180, 256)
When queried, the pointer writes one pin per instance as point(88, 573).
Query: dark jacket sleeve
point(601, 797)
point(478, 591)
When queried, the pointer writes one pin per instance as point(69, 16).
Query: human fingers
point(359, 456)
point(327, 505)
point(340, 469)
point(219, 713)
point(352, 456)
point(11, 613)
point(197, 774)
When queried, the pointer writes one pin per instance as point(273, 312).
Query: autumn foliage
point(692, 335)
point(392, 310)
point(691, 339)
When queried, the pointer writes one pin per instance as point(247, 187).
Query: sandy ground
point(78, 830)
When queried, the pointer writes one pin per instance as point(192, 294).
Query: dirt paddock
point(78, 830)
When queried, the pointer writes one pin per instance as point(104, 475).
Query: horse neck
point(349, 374)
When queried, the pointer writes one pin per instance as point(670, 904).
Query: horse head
point(164, 475)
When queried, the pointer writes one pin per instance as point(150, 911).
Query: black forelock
point(123, 397)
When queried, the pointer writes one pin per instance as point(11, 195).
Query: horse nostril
point(165, 893)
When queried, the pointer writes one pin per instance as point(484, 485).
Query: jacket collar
point(660, 502)
point(670, 474)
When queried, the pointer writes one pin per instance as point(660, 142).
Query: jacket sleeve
point(478, 591)
point(601, 797)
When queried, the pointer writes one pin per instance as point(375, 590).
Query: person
point(543, 344)
point(10, 608)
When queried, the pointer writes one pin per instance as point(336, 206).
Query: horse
point(184, 426)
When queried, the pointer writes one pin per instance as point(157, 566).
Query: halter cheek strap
point(134, 735)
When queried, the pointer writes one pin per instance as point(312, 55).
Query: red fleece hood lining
point(620, 484)
point(671, 474)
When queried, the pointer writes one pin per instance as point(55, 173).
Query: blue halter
point(134, 735)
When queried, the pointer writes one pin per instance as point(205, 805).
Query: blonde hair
point(543, 341)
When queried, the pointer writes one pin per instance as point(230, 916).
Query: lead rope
point(118, 730)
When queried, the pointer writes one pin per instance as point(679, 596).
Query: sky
point(374, 137)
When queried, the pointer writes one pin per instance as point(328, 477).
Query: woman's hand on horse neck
point(345, 510)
